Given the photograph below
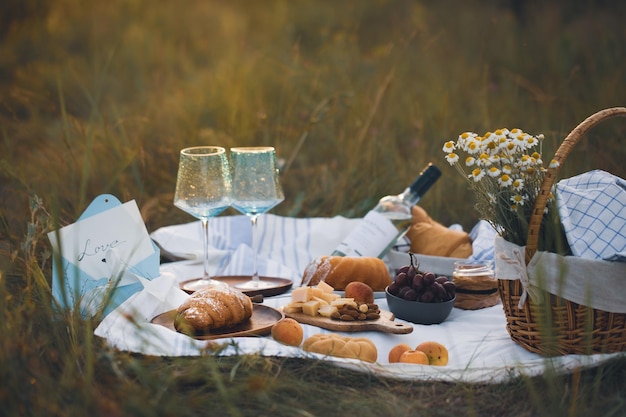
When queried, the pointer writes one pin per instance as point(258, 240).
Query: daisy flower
point(477, 174)
point(452, 158)
point(493, 171)
point(449, 146)
point(505, 180)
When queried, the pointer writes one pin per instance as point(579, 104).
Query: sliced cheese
point(327, 310)
point(342, 301)
point(301, 294)
point(319, 300)
point(292, 309)
point(310, 308)
point(327, 288)
point(329, 297)
point(316, 292)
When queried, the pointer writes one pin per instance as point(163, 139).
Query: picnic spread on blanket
point(489, 291)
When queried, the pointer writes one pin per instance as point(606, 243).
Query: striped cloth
point(592, 207)
point(286, 244)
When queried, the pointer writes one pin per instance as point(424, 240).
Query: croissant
point(339, 271)
point(333, 344)
point(429, 237)
point(213, 308)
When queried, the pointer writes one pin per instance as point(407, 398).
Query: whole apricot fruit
point(288, 332)
point(396, 351)
point(436, 352)
point(360, 291)
point(414, 356)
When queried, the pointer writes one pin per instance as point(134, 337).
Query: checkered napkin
point(592, 207)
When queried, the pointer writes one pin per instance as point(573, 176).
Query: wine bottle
point(376, 234)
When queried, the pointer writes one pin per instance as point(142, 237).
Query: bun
point(332, 344)
point(431, 238)
point(339, 271)
point(213, 308)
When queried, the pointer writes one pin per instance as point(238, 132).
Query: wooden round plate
point(260, 324)
point(278, 285)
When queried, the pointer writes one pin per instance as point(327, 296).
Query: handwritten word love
point(93, 250)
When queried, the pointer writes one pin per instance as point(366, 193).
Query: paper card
point(85, 243)
point(103, 254)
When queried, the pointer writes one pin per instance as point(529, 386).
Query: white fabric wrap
point(593, 283)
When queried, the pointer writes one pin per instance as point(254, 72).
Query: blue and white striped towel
point(592, 207)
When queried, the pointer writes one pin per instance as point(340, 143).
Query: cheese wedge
point(342, 301)
point(325, 287)
point(329, 297)
point(310, 308)
point(327, 310)
point(301, 294)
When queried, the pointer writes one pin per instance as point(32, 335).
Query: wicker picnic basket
point(559, 326)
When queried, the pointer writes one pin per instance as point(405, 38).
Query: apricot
point(436, 352)
point(414, 356)
point(288, 332)
point(360, 291)
point(396, 351)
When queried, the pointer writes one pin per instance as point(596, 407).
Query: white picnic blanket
point(480, 348)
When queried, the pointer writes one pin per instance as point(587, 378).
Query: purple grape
point(404, 269)
point(411, 272)
point(438, 289)
point(418, 282)
point(403, 291)
point(427, 297)
point(410, 295)
point(393, 288)
point(450, 288)
point(442, 280)
point(429, 278)
point(401, 279)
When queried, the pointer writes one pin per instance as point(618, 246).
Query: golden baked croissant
point(339, 271)
point(429, 237)
point(332, 344)
point(213, 308)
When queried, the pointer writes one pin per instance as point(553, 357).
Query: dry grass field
point(356, 95)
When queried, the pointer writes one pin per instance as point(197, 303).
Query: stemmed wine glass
point(203, 188)
point(256, 190)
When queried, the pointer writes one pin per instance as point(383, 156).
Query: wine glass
point(203, 188)
point(256, 190)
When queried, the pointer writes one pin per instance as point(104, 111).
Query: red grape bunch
point(414, 285)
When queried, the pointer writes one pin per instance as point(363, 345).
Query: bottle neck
point(422, 184)
point(410, 197)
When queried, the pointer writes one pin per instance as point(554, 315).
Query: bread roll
point(213, 308)
point(332, 344)
point(339, 271)
point(431, 238)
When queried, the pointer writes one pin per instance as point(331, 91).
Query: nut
point(361, 312)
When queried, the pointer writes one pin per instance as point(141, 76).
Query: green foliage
point(356, 95)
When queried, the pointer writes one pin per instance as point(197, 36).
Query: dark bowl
point(417, 312)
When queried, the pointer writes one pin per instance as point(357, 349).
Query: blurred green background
point(356, 95)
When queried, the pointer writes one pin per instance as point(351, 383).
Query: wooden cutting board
point(385, 323)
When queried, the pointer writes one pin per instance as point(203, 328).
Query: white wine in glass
point(256, 190)
point(203, 189)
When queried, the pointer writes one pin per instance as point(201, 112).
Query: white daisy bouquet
point(505, 170)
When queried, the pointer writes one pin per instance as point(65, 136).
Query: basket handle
point(561, 154)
